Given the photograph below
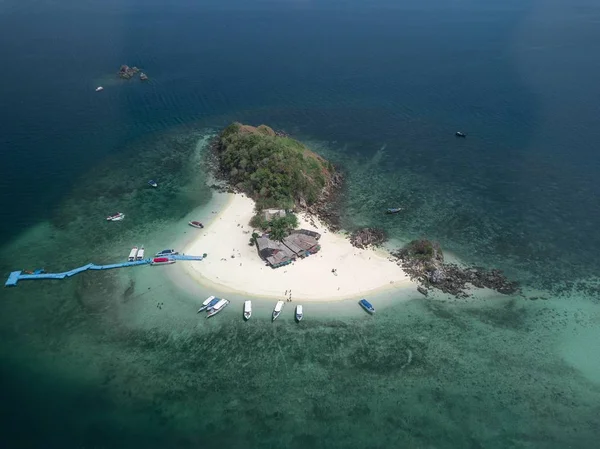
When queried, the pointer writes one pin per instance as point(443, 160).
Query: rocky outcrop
point(423, 260)
point(127, 72)
point(365, 237)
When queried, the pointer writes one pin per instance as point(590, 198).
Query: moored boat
point(205, 303)
point(140, 254)
point(218, 307)
point(299, 314)
point(277, 310)
point(116, 217)
point(247, 309)
point(393, 210)
point(367, 305)
point(196, 224)
point(213, 302)
point(133, 254)
point(167, 252)
point(162, 261)
point(152, 183)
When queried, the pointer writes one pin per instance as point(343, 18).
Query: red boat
point(196, 224)
point(162, 261)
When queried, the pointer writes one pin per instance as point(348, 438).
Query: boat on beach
point(367, 306)
point(116, 217)
point(206, 303)
point(140, 254)
point(247, 310)
point(162, 261)
point(277, 310)
point(218, 307)
point(152, 183)
point(213, 302)
point(393, 210)
point(133, 254)
point(196, 224)
point(167, 252)
point(299, 314)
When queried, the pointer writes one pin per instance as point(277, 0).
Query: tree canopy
point(275, 171)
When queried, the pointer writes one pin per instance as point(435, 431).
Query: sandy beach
point(360, 273)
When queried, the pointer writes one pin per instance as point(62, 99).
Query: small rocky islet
point(126, 72)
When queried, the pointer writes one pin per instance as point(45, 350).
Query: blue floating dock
point(17, 276)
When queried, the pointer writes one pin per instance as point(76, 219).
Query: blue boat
point(152, 183)
point(211, 305)
point(393, 210)
point(366, 305)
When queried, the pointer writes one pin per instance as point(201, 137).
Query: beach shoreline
point(233, 266)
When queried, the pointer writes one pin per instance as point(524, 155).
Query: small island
point(281, 210)
point(125, 72)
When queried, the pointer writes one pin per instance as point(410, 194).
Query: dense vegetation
point(276, 171)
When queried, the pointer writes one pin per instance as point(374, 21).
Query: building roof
point(300, 242)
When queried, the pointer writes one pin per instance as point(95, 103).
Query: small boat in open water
point(162, 261)
point(218, 307)
point(167, 252)
point(196, 224)
point(460, 134)
point(99, 89)
point(247, 310)
point(366, 305)
point(393, 210)
point(299, 314)
point(133, 254)
point(152, 183)
point(277, 310)
point(206, 302)
point(116, 217)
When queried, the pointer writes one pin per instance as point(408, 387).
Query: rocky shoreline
point(365, 237)
point(423, 261)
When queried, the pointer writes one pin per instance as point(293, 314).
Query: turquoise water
point(379, 89)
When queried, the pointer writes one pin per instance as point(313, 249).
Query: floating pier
point(17, 276)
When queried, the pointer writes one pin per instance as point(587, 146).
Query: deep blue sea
point(379, 87)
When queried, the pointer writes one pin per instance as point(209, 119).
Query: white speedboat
point(196, 224)
point(152, 183)
point(132, 254)
point(162, 261)
point(205, 304)
point(247, 310)
point(277, 310)
point(140, 254)
point(116, 217)
point(299, 314)
point(99, 88)
point(218, 307)
point(167, 252)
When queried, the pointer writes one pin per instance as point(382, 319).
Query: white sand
point(359, 272)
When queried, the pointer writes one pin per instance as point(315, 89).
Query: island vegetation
point(277, 172)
